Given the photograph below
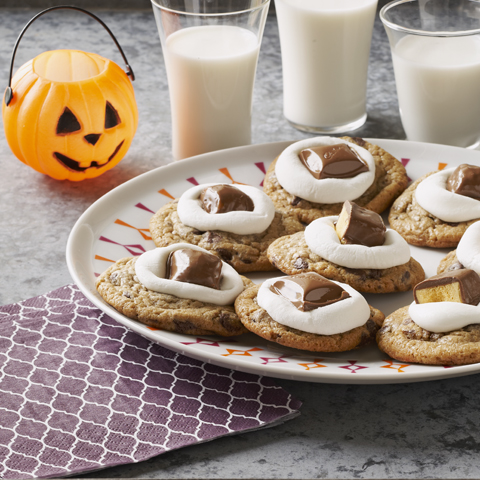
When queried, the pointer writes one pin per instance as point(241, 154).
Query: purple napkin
point(80, 392)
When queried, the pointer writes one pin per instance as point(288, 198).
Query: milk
point(438, 86)
point(211, 73)
point(325, 50)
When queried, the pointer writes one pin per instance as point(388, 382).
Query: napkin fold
point(80, 392)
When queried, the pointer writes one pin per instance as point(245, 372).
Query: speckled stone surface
point(420, 430)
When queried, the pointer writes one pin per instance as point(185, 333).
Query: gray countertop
point(417, 430)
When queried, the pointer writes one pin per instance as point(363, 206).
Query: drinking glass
point(211, 50)
point(325, 51)
point(435, 46)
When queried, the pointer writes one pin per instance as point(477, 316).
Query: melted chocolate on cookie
point(332, 161)
point(461, 286)
point(225, 198)
point(308, 291)
point(465, 180)
point(193, 266)
point(359, 226)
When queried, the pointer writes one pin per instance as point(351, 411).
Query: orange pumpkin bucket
point(70, 114)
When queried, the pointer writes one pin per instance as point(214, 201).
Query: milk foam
point(323, 240)
point(242, 222)
point(432, 195)
point(151, 268)
point(294, 177)
point(337, 317)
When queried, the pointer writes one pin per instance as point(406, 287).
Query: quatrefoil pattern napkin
point(80, 392)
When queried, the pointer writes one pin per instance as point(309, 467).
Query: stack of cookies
point(318, 221)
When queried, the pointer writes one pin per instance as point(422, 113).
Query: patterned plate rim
point(88, 238)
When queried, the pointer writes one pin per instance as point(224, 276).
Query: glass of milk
point(325, 48)
point(435, 47)
point(210, 49)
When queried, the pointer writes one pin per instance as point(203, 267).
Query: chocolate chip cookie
point(390, 180)
point(402, 339)
point(291, 255)
point(245, 253)
point(257, 320)
point(120, 288)
point(450, 262)
point(421, 228)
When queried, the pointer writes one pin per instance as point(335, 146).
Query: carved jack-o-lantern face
point(68, 124)
point(73, 114)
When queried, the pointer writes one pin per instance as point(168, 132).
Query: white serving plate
point(116, 226)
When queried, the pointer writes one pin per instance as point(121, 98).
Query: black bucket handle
point(9, 92)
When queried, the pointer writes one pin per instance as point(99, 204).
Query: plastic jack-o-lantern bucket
point(68, 113)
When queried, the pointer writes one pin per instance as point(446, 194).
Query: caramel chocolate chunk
point(461, 286)
point(359, 226)
point(192, 266)
point(308, 291)
point(332, 161)
point(465, 180)
point(225, 198)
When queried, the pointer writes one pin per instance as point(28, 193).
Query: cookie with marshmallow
point(467, 253)
point(237, 223)
point(353, 248)
point(441, 326)
point(312, 178)
point(309, 312)
point(436, 210)
point(180, 288)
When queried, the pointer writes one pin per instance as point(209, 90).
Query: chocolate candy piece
point(192, 266)
point(308, 291)
point(454, 286)
point(465, 180)
point(225, 198)
point(360, 226)
point(332, 161)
